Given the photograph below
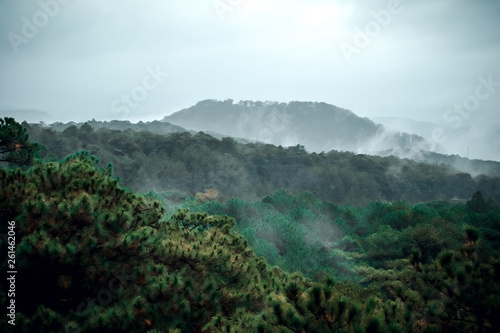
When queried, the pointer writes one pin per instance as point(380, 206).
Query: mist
point(68, 61)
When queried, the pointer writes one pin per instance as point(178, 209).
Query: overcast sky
point(81, 59)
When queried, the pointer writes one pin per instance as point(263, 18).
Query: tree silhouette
point(477, 204)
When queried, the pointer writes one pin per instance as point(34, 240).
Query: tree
point(477, 204)
point(15, 147)
point(98, 258)
point(459, 291)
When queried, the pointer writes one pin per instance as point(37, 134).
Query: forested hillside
point(155, 127)
point(193, 163)
point(466, 165)
point(317, 126)
point(302, 233)
point(92, 256)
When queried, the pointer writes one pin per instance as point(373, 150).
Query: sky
point(142, 60)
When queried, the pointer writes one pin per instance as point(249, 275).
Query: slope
point(316, 126)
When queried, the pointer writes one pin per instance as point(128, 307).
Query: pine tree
point(15, 147)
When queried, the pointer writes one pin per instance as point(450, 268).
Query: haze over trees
point(317, 126)
point(94, 256)
point(192, 163)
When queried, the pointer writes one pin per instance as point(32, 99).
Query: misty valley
point(245, 217)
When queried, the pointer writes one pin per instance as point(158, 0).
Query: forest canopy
point(93, 256)
point(194, 163)
point(15, 146)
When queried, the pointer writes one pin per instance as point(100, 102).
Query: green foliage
point(105, 260)
point(15, 147)
point(193, 163)
point(476, 204)
point(463, 291)
point(94, 256)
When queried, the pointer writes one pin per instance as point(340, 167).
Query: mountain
point(316, 126)
point(155, 127)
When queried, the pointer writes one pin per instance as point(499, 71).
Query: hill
point(190, 164)
point(317, 126)
point(155, 127)
point(122, 125)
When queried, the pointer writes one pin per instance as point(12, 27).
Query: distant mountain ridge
point(194, 163)
point(460, 164)
point(316, 126)
point(155, 127)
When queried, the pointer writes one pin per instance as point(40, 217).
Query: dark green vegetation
point(95, 257)
point(194, 163)
point(15, 147)
point(155, 127)
point(301, 233)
